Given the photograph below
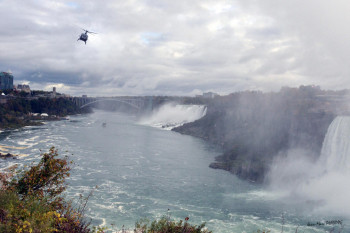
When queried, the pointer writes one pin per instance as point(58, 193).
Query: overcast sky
point(183, 47)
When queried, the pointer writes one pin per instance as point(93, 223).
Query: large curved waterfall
point(335, 155)
point(171, 115)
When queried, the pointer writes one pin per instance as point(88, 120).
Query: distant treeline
point(18, 111)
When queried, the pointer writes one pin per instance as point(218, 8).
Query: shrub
point(31, 200)
point(165, 225)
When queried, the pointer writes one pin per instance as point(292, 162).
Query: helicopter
point(84, 36)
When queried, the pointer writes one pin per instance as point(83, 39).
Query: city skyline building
point(6, 81)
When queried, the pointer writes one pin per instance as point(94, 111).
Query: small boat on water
point(104, 124)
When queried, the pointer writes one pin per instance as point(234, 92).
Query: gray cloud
point(147, 47)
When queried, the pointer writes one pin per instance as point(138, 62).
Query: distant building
point(209, 95)
point(84, 96)
point(54, 92)
point(3, 99)
point(6, 81)
point(22, 87)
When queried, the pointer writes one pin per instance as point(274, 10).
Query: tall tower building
point(6, 81)
point(54, 91)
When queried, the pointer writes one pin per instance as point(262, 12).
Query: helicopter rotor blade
point(87, 31)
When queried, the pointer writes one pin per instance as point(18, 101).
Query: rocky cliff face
point(253, 127)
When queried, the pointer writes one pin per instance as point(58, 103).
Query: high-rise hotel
point(6, 81)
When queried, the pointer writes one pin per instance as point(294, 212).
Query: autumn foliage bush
point(31, 199)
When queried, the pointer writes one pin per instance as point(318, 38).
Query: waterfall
point(169, 116)
point(323, 183)
point(335, 153)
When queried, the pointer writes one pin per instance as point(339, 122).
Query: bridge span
point(137, 103)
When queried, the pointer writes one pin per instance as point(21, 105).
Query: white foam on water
point(29, 142)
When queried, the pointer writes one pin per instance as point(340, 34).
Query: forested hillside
point(18, 111)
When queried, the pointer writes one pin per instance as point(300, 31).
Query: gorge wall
point(254, 127)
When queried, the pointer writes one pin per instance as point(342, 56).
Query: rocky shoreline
point(7, 156)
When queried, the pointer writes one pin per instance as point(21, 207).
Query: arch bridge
point(138, 103)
